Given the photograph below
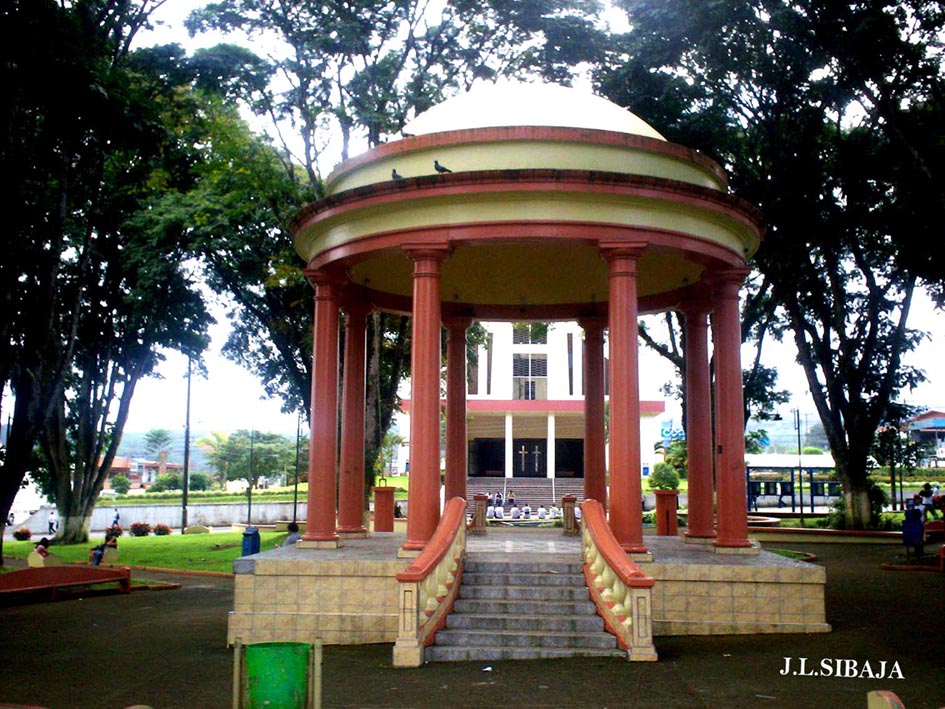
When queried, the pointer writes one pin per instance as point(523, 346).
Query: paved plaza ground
point(166, 649)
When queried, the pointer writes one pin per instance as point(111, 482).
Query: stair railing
point(619, 588)
point(429, 585)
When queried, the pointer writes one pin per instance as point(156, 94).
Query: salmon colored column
point(320, 525)
point(456, 451)
point(351, 477)
point(626, 510)
point(595, 440)
point(698, 421)
point(730, 423)
point(423, 497)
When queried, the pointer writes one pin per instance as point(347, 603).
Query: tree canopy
point(819, 111)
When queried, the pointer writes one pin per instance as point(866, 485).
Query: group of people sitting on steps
point(496, 511)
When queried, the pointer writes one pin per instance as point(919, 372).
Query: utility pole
point(298, 447)
point(249, 490)
point(800, 470)
point(186, 478)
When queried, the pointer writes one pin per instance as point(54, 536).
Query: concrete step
point(547, 578)
point(523, 607)
point(562, 623)
point(524, 593)
point(525, 639)
point(437, 653)
point(477, 566)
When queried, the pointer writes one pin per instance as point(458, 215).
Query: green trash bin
point(277, 675)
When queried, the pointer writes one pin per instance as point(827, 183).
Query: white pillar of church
point(509, 451)
point(550, 457)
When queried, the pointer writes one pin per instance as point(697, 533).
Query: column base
point(750, 548)
point(319, 543)
point(360, 533)
point(698, 540)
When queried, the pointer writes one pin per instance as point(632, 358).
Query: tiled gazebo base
point(348, 596)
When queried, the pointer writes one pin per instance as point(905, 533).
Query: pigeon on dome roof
point(440, 168)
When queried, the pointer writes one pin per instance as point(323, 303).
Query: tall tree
point(79, 144)
point(759, 84)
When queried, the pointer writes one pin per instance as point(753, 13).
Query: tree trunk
point(74, 529)
point(856, 497)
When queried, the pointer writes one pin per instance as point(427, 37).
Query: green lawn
point(194, 552)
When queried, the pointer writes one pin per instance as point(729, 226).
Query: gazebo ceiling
point(541, 179)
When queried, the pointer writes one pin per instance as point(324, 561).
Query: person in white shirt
point(577, 512)
point(526, 511)
point(499, 513)
point(490, 512)
point(542, 512)
point(516, 512)
point(553, 513)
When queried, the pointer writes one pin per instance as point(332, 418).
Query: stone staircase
point(516, 610)
point(534, 491)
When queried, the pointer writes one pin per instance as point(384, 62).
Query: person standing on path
point(53, 522)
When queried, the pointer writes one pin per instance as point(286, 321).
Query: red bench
point(52, 578)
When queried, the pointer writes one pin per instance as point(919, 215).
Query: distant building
point(929, 428)
point(141, 472)
point(525, 403)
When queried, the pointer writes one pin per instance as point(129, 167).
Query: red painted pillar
point(698, 421)
point(320, 523)
point(730, 423)
point(423, 498)
point(456, 452)
point(595, 440)
point(351, 477)
point(626, 518)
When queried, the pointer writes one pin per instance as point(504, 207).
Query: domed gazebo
point(529, 202)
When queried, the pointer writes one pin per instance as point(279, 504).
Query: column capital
point(325, 277)
point(612, 250)
point(426, 252)
point(694, 307)
point(356, 309)
point(453, 322)
point(593, 324)
point(726, 283)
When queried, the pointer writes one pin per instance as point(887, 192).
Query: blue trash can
point(250, 541)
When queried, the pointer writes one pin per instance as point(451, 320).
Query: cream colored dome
point(518, 104)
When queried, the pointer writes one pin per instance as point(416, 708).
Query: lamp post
point(800, 470)
point(249, 490)
point(298, 444)
point(185, 483)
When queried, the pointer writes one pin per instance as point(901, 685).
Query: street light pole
point(186, 480)
point(800, 470)
point(249, 490)
point(298, 444)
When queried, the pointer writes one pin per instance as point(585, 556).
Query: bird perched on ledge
point(394, 175)
point(440, 168)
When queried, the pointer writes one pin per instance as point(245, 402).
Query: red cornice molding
point(541, 406)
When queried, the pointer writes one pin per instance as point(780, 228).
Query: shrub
point(21, 534)
point(199, 481)
point(664, 477)
point(121, 484)
point(165, 481)
point(162, 530)
point(140, 529)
